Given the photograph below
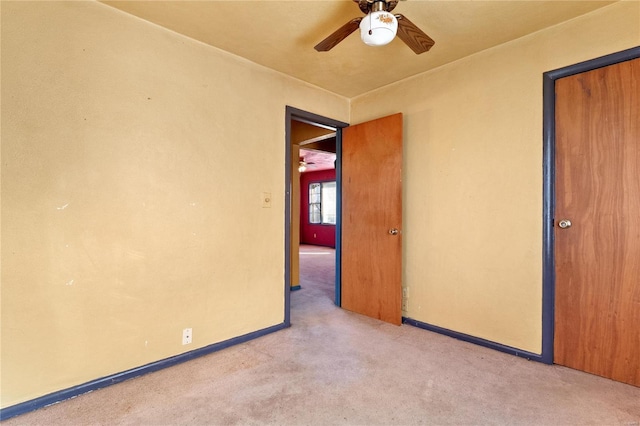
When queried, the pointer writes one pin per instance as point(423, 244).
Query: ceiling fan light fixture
point(378, 28)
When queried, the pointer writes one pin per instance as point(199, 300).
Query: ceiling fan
point(379, 27)
point(302, 166)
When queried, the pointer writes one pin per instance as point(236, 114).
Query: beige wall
point(132, 188)
point(295, 215)
point(134, 162)
point(473, 176)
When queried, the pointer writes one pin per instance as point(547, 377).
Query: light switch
point(266, 200)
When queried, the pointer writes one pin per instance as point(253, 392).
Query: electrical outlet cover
point(187, 336)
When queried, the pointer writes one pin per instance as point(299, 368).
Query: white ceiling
point(281, 34)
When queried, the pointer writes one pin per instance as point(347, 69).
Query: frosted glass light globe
point(378, 28)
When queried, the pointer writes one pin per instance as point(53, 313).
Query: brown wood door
point(371, 210)
point(597, 296)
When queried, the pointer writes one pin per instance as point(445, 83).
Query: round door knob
point(393, 231)
point(564, 224)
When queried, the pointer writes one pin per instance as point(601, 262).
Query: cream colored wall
point(295, 215)
point(132, 188)
point(134, 162)
point(473, 176)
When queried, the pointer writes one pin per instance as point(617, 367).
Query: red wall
point(319, 235)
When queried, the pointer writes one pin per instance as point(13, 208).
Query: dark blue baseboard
point(64, 394)
point(295, 287)
point(476, 340)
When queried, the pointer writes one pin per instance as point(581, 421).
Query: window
point(322, 202)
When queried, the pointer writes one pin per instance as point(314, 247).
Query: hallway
point(336, 367)
point(317, 275)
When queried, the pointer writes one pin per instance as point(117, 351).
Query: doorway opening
point(317, 218)
point(312, 203)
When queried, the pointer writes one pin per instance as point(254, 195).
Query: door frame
point(296, 114)
point(548, 183)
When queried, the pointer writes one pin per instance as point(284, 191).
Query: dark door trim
point(548, 185)
point(292, 113)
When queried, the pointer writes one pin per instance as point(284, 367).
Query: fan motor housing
point(367, 6)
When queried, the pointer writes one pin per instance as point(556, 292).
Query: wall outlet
point(187, 336)
point(405, 299)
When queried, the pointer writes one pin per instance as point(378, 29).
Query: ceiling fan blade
point(413, 36)
point(338, 35)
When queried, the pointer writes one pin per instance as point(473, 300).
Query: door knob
point(393, 231)
point(564, 224)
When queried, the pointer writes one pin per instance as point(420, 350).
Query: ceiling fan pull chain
point(370, 30)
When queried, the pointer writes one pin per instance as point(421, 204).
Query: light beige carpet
point(335, 367)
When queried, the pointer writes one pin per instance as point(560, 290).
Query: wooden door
point(372, 219)
point(597, 296)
